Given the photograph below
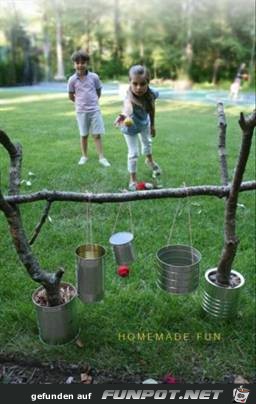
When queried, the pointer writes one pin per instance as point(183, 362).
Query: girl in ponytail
point(138, 121)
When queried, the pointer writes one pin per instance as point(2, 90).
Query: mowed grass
point(192, 346)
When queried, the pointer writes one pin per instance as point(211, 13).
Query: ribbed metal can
point(178, 268)
point(58, 324)
point(90, 267)
point(218, 301)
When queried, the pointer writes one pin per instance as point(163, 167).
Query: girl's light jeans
point(144, 137)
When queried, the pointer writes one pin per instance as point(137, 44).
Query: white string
point(189, 225)
point(131, 220)
point(89, 235)
point(118, 214)
point(173, 222)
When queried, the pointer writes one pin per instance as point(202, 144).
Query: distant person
point(137, 121)
point(237, 83)
point(84, 89)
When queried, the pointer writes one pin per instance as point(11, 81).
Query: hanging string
point(118, 214)
point(189, 224)
point(89, 235)
point(131, 220)
point(173, 222)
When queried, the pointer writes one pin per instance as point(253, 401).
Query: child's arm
point(71, 96)
point(152, 122)
point(71, 89)
point(127, 108)
point(98, 91)
point(97, 84)
point(127, 111)
point(155, 95)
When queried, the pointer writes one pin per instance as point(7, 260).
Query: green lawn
point(186, 149)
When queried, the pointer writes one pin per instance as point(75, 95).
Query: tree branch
point(231, 241)
point(222, 144)
point(11, 211)
point(15, 154)
point(40, 224)
point(201, 190)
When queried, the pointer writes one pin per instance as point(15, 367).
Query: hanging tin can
point(90, 272)
point(123, 247)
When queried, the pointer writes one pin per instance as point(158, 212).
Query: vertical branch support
point(50, 281)
point(222, 144)
point(230, 239)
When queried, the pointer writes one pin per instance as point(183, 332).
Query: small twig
point(42, 221)
point(31, 376)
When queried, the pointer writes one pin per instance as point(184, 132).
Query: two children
point(84, 89)
point(136, 121)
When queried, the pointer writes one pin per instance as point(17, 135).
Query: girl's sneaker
point(156, 170)
point(132, 186)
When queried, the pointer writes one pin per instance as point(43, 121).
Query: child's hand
point(153, 131)
point(119, 120)
point(128, 121)
point(123, 120)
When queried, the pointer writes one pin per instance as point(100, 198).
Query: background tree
point(58, 9)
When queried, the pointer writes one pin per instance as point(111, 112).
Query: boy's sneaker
point(154, 167)
point(82, 160)
point(104, 162)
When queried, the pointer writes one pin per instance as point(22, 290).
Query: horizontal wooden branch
point(201, 190)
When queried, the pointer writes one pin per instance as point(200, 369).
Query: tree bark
point(60, 196)
point(11, 211)
point(118, 51)
point(46, 47)
point(59, 51)
point(222, 144)
point(230, 239)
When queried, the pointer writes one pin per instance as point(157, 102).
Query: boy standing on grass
point(84, 89)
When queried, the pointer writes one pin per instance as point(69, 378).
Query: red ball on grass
point(140, 186)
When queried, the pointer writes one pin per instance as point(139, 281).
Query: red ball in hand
point(123, 271)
